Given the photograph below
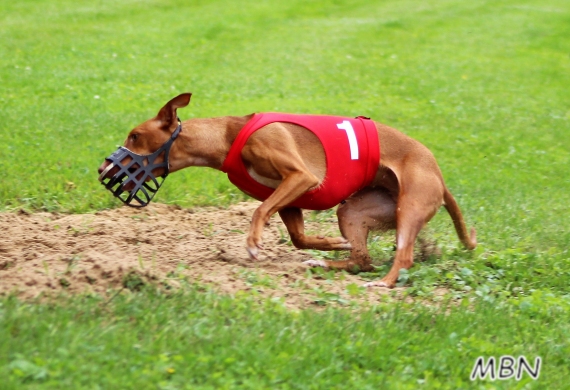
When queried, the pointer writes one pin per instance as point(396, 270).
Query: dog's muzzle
point(138, 171)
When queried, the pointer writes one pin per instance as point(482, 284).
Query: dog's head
point(135, 171)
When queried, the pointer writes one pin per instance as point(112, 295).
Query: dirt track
point(52, 253)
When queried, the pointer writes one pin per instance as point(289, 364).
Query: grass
point(196, 339)
point(483, 84)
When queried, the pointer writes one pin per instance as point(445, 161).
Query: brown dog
point(405, 193)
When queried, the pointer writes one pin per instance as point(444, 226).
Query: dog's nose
point(103, 166)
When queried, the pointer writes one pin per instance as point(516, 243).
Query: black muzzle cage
point(138, 171)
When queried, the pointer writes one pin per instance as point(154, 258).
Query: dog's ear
point(167, 114)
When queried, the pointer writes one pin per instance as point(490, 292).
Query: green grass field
point(485, 85)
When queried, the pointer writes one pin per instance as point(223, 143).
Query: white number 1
point(346, 126)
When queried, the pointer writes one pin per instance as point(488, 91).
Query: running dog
point(380, 178)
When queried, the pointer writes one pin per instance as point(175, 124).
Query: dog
point(381, 178)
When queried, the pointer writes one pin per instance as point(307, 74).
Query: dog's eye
point(134, 137)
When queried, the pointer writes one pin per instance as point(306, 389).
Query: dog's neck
point(205, 142)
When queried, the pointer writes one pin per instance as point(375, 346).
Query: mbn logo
point(506, 367)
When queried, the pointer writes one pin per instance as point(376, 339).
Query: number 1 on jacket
point(346, 126)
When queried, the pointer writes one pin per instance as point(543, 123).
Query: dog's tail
point(469, 240)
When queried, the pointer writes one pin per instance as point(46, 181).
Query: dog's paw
point(344, 245)
point(253, 253)
point(337, 243)
point(253, 246)
point(377, 283)
point(316, 263)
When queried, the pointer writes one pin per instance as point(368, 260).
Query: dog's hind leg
point(369, 209)
point(421, 194)
point(293, 219)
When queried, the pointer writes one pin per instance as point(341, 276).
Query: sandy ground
point(50, 253)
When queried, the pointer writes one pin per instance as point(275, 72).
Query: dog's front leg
point(293, 219)
point(293, 186)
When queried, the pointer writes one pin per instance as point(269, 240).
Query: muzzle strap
point(138, 173)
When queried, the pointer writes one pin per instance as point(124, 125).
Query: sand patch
point(50, 253)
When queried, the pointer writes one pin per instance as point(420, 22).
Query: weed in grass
point(208, 231)
point(256, 279)
point(133, 281)
point(27, 371)
point(64, 282)
point(140, 217)
point(321, 273)
point(71, 263)
point(5, 265)
point(284, 237)
point(324, 298)
point(355, 290)
point(140, 260)
point(46, 267)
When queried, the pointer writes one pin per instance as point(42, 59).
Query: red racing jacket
point(352, 152)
